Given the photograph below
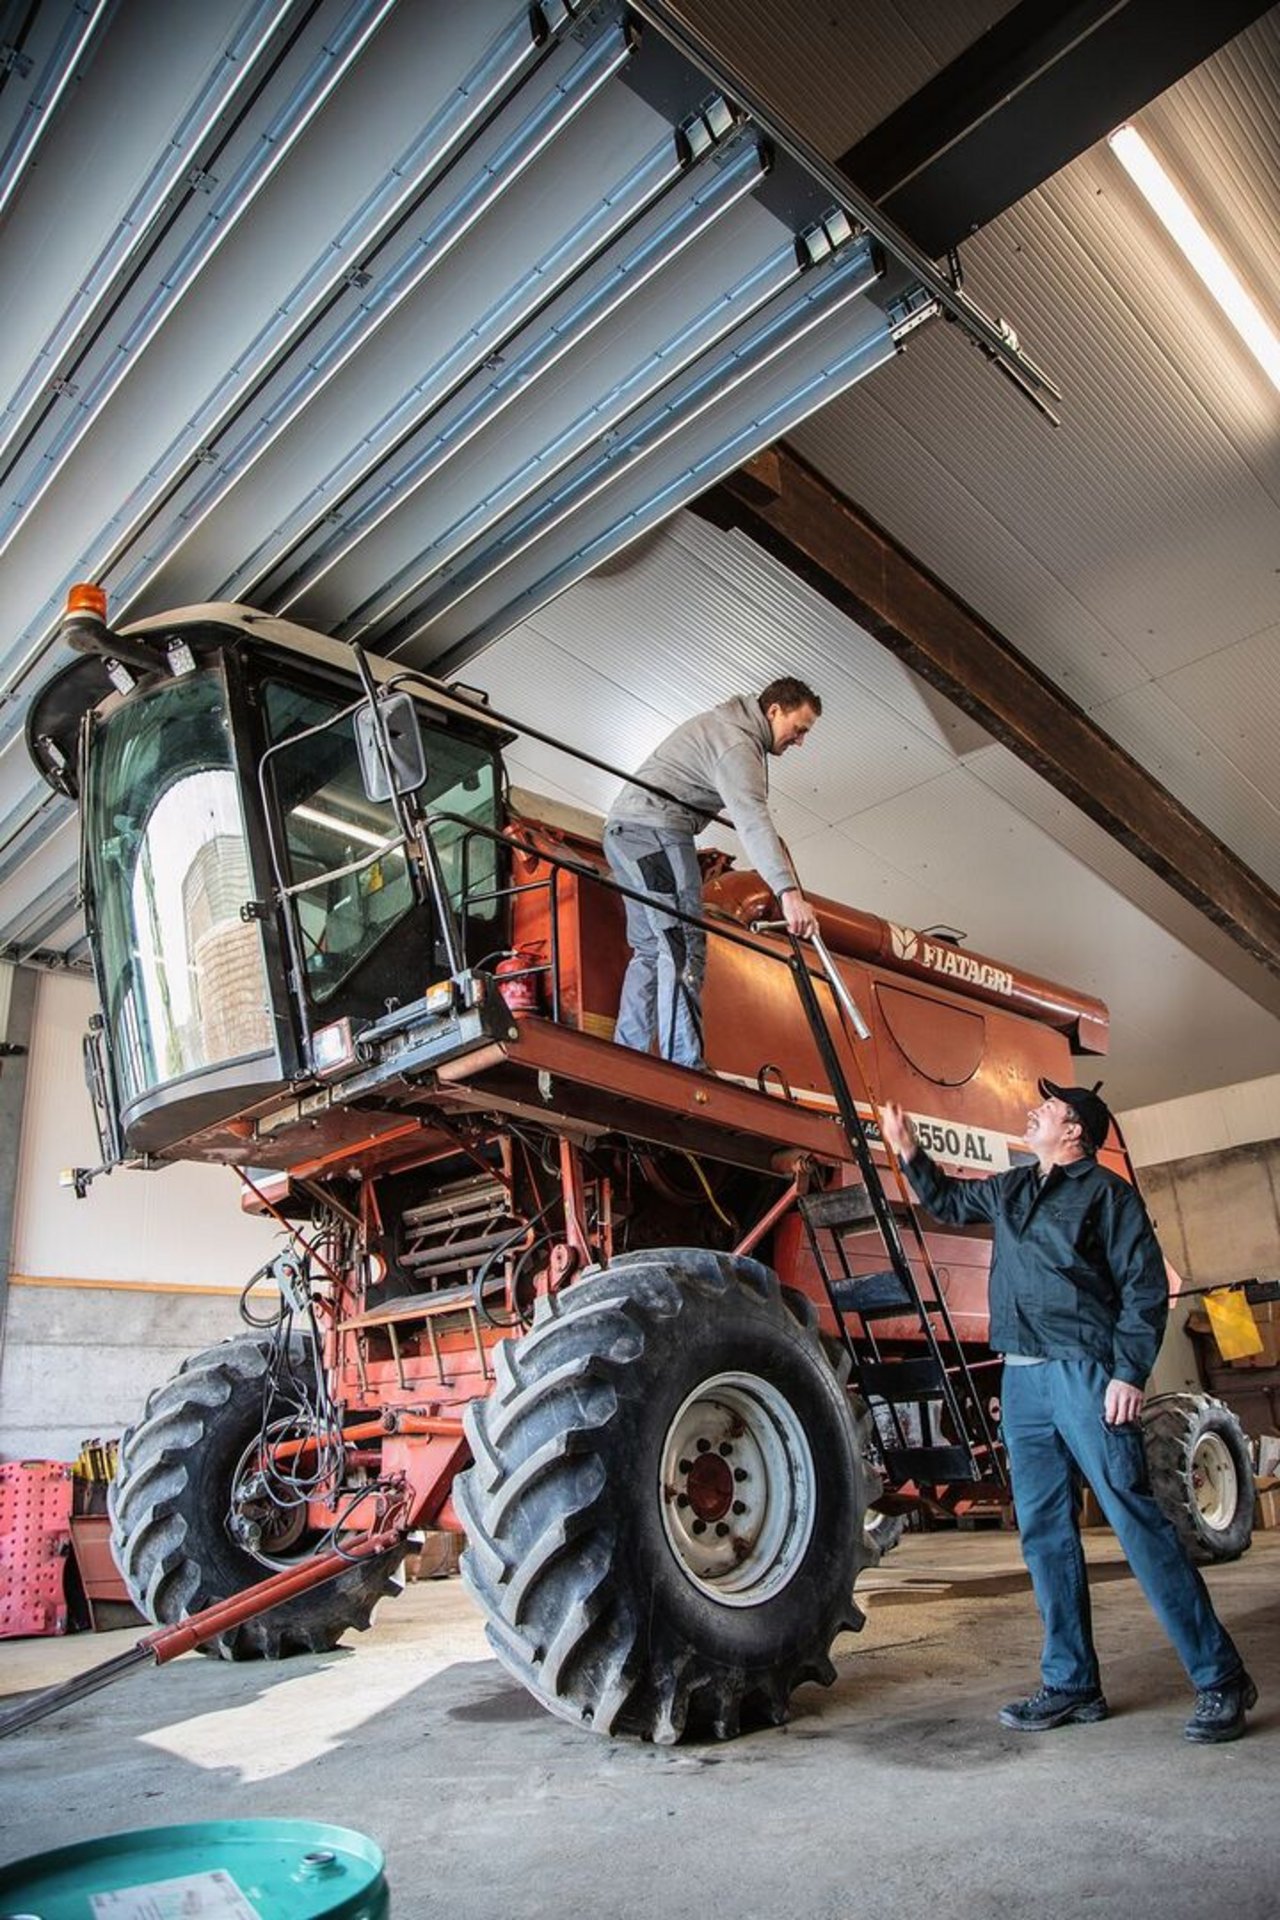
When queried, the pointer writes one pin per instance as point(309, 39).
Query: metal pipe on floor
point(168, 1642)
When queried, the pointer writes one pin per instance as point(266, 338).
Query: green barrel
point(217, 1869)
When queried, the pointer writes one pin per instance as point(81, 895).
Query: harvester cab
point(259, 883)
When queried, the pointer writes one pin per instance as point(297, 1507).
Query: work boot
point(1220, 1711)
point(1050, 1707)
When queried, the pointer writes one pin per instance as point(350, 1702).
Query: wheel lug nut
point(682, 1499)
point(721, 1528)
point(739, 1474)
point(725, 1448)
point(685, 1465)
point(704, 1446)
point(699, 1526)
point(739, 1506)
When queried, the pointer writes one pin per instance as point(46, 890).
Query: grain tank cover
point(921, 956)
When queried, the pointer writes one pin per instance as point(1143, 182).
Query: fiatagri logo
point(941, 958)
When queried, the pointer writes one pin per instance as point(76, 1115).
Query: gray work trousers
point(662, 990)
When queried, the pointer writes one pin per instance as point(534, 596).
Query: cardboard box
point(437, 1559)
point(1267, 1317)
point(1266, 1513)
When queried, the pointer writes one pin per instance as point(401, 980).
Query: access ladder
point(932, 1425)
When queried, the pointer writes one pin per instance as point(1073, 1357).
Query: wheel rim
point(274, 1535)
point(1214, 1481)
point(737, 1489)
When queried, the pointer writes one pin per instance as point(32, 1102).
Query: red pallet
point(35, 1538)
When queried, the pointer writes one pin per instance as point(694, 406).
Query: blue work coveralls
point(1078, 1284)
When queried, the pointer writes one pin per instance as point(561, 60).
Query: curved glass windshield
point(183, 978)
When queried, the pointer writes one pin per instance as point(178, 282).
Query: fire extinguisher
point(517, 982)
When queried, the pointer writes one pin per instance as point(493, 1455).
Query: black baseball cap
point(1093, 1114)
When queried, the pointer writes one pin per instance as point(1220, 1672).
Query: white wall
point(108, 1294)
point(1235, 1116)
point(181, 1225)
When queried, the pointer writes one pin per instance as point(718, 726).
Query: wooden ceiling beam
point(785, 505)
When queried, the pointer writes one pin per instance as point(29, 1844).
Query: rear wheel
point(172, 1517)
point(1201, 1473)
point(665, 1514)
point(885, 1530)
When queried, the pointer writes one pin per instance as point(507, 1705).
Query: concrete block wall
point(1209, 1166)
point(1218, 1218)
point(79, 1361)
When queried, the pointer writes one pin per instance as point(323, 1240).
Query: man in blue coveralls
point(1078, 1301)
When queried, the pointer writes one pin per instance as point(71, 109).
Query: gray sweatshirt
point(717, 759)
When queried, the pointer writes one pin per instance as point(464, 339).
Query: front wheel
point(1201, 1473)
point(172, 1510)
point(665, 1514)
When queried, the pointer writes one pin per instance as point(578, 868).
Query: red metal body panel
point(970, 1049)
point(864, 936)
point(590, 924)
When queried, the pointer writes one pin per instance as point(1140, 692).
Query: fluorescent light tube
point(346, 828)
point(1219, 276)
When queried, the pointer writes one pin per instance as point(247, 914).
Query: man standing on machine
point(717, 759)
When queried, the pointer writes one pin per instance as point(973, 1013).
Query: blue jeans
point(662, 989)
point(1054, 1431)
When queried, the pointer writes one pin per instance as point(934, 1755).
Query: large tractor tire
point(885, 1531)
point(170, 1505)
point(665, 1513)
point(1201, 1473)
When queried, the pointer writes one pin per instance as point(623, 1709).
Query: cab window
point(335, 836)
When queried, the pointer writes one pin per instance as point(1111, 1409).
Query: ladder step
point(872, 1293)
point(928, 1465)
point(838, 1206)
point(896, 1380)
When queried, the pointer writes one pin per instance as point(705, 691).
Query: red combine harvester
point(655, 1339)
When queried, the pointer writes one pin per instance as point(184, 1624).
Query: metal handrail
point(753, 940)
point(584, 871)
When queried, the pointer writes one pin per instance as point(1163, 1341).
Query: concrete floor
point(894, 1793)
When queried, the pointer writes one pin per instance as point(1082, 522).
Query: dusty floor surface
point(893, 1793)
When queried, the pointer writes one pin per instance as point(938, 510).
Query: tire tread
point(541, 1523)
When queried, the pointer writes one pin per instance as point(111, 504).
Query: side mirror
point(407, 756)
